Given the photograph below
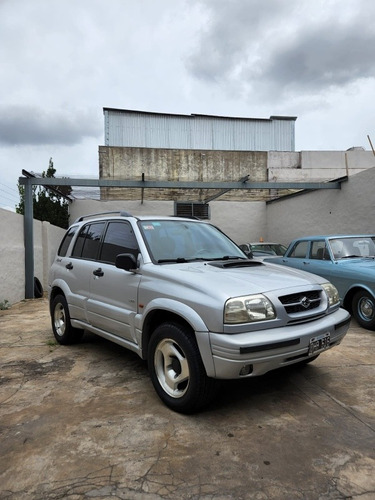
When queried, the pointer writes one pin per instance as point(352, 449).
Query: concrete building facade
point(157, 146)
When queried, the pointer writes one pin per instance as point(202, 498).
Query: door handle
point(69, 266)
point(98, 272)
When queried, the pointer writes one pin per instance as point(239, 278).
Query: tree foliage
point(48, 204)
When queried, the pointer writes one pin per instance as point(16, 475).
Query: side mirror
point(126, 261)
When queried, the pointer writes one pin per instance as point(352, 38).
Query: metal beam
point(53, 189)
point(223, 191)
point(179, 184)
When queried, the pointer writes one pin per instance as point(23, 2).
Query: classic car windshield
point(356, 246)
point(179, 241)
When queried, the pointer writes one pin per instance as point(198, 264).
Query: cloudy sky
point(62, 61)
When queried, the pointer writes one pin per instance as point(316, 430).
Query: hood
point(226, 279)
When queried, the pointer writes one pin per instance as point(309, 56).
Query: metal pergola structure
point(52, 182)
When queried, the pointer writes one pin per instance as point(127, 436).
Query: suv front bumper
point(255, 353)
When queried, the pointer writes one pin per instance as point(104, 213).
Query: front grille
point(301, 302)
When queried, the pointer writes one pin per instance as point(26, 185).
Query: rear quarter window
point(88, 241)
point(64, 245)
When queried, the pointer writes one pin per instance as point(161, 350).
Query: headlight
point(248, 309)
point(332, 293)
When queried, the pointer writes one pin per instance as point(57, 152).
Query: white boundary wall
point(12, 254)
point(241, 221)
point(349, 210)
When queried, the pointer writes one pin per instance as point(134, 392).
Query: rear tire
point(176, 369)
point(62, 328)
point(38, 289)
point(363, 306)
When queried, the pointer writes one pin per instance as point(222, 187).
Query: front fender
point(191, 317)
point(355, 287)
point(175, 307)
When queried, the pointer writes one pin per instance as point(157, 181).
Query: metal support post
point(29, 240)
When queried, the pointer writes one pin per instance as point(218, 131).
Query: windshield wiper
point(180, 260)
point(229, 257)
point(173, 261)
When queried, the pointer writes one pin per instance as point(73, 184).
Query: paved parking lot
point(84, 422)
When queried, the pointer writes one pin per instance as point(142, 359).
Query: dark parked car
point(347, 261)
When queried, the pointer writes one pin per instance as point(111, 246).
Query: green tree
point(48, 204)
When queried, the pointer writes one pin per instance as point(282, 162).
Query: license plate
point(319, 344)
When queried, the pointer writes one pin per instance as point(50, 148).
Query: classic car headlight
point(332, 293)
point(248, 309)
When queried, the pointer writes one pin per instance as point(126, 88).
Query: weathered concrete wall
point(201, 165)
point(12, 254)
point(349, 210)
point(241, 221)
point(179, 165)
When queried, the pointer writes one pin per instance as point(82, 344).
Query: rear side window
point(318, 250)
point(119, 238)
point(66, 242)
point(88, 241)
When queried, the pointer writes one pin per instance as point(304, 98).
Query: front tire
point(176, 369)
point(364, 309)
point(62, 328)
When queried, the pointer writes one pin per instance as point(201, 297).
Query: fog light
point(246, 370)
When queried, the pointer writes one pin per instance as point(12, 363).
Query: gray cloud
point(321, 58)
point(29, 125)
point(231, 33)
point(273, 48)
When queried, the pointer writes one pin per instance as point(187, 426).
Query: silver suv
point(184, 297)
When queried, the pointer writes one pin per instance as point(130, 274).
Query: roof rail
point(122, 213)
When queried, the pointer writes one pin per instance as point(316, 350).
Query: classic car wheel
point(177, 370)
point(62, 329)
point(364, 309)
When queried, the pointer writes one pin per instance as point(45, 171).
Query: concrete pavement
point(84, 421)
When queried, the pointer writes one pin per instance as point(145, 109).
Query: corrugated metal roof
point(128, 128)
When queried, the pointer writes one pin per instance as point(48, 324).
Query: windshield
point(355, 246)
point(183, 241)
